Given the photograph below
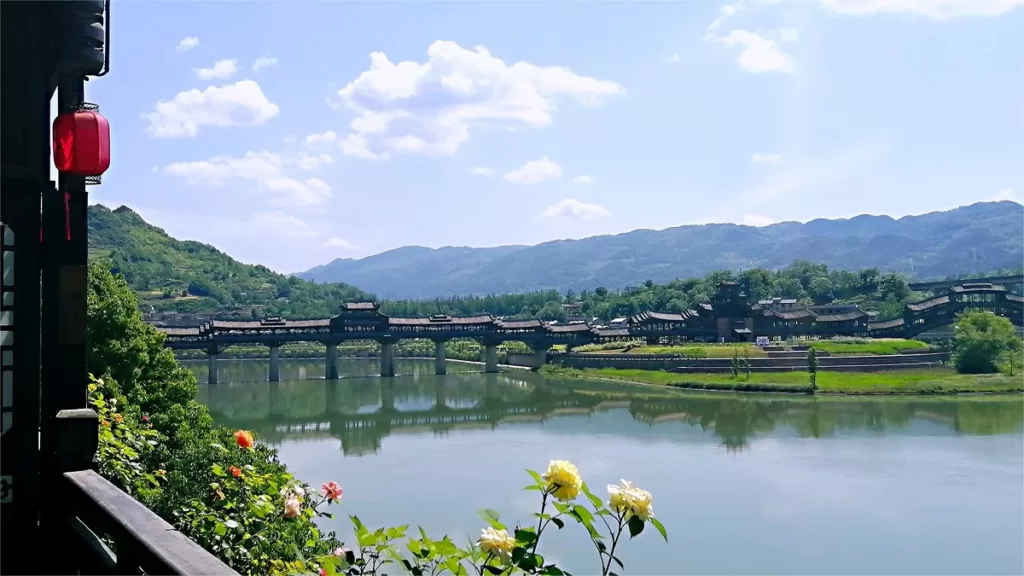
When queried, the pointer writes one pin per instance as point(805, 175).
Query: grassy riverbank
point(930, 381)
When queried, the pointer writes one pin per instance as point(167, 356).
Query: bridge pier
point(331, 367)
point(440, 393)
point(387, 396)
point(275, 363)
point(540, 357)
point(490, 358)
point(212, 359)
point(440, 365)
point(387, 359)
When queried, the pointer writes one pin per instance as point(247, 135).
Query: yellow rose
point(497, 542)
point(563, 480)
point(630, 500)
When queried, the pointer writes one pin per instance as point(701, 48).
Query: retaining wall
point(867, 363)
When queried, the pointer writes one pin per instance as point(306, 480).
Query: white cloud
point(432, 107)
point(724, 13)
point(221, 69)
point(261, 63)
point(935, 9)
point(584, 179)
point(1005, 194)
point(534, 172)
point(674, 58)
point(758, 54)
point(789, 34)
point(320, 140)
point(765, 158)
point(313, 161)
point(572, 208)
point(757, 220)
point(357, 146)
point(480, 171)
point(340, 244)
point(188, 43)
point(265, 169)
point(240, 104)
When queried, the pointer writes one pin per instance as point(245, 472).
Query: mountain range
point(975, 238)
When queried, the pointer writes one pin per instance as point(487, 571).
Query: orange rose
point(235, 471)
point(244, 439)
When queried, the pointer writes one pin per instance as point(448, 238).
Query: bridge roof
point(885, 324)
point(442, 321)
point(179, 331)
point(269, 324)
point(843, 317)
point(977, 287)
point(360, 306)
point(564, 328)
point(612, 332)
point(1015, 298)
point(929, 303)
point(520, 324)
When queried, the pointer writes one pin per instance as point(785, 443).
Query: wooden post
point(25, 154)
point(76, 434)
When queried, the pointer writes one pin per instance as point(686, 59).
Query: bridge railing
point(102, 529)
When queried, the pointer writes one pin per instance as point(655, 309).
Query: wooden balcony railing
point(107, 531)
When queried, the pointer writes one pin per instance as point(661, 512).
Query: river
point(744, 484)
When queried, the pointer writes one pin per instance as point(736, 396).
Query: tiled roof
point(886, 324)
point(795, 314)
point(519, 324)
point(976, 287)
point(360, 305)
point(844, 317)
point(438, 321)
point(569, 328)
point(612, 332)
point(190, 331)
point(1014, 298)
point(930, 303)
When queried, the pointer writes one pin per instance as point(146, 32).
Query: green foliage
point(982, 341)
point(192, 277)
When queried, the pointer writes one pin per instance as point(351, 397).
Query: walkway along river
point(745, 485)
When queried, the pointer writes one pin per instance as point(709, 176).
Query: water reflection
point(361, 410)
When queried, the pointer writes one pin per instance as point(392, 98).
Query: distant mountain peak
point(974, 238)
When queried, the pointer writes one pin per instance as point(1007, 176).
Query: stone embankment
point(787, 361)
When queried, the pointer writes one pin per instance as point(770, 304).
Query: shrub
point(232, 496)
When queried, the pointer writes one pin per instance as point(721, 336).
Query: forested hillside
point(192, 277)
point(808, 282)
point(187, 276)
point(978, 238)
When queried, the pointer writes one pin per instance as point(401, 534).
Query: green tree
point(982, 341)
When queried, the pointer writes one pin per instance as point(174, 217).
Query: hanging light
point(81, 142)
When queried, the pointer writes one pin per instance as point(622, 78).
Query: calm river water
point(744, 484)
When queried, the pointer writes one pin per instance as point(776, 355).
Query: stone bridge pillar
point(387, 359)
point(387, 395)
point(212, 358)
point(275, 362)
point(440, 365)
point(440, 393)
point(540, 355)
point(331, 367)
point(490, 358)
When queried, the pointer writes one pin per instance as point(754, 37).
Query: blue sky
point(292, 133)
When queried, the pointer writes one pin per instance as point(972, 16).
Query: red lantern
point(81, 143)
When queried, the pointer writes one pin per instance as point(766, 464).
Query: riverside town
point(668, 289)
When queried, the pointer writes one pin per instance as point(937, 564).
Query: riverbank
point(908, 382)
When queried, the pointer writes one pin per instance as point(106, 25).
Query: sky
point(292, 133)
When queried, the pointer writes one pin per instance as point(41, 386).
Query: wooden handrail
point(142, 540)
